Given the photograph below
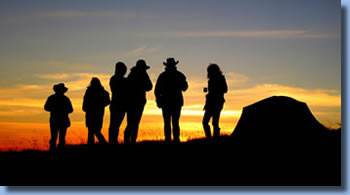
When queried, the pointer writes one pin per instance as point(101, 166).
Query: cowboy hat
point(170, 62)
point(60, 88)
point(142, 64)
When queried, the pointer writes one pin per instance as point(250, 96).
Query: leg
point(167, 127)
point(215, 122)
point(100, 137)
point(116, 120)
point(175, 116)
point(62, 139)
point(137, 118)
point(53, 132)
point(130, 125)
point(206, 127)
point(91, 136)
point(127, 129)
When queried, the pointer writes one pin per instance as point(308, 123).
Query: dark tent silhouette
point(283, 137)
point(278, 117)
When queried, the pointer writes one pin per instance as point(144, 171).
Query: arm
point(70, 107)
point(85, 102)
point(107, 100)
point(184, 84)
point(224, 85)
point(158, 91)
point(48, 105)
point(111, 84)
point(148, 83)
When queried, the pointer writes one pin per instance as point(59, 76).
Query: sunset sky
point(264, 48)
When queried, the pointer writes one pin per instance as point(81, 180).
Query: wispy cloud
point(78, 14)
point(141, 51)
point(271, 34)
point(125, 14)
point(22, 100)
point(54, 76)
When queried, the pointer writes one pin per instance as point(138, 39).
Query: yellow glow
point(25, 103)
point(232, 113)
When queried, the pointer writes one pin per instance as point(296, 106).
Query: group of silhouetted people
point(129, 98)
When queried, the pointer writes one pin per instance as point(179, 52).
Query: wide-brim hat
point(141, 64)
point(60, 88)
point(170, 62)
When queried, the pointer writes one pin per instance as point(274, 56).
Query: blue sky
point(88, 36)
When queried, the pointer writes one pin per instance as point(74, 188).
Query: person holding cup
point(214, 103)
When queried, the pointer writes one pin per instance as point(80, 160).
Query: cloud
point(140, 51)
point(54, 76)
point(235, 79)
point(21, 107)
point(325, 104)
point(75, 81)
point(270, 34)
point(76, 14)
point(69, 14)
point(313, 97)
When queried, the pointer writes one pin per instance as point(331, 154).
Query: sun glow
point(24, 124)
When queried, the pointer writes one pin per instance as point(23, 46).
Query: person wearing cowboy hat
point(59, 107)
point(169, 98)
point(138, 83)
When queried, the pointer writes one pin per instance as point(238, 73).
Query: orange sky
point(24, 123)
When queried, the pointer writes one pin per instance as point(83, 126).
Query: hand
point(159, 105)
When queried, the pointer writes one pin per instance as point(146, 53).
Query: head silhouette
point(141, 65)
point(170, 62)
point(120, 69)
point(95, 83)
point(213, 71)
point(60, 88)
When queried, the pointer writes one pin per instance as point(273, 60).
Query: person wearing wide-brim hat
point(168, 92)
point(141, 65)
point(170, 62)
point(60, 88)
point(59, 107)
point(138, 84)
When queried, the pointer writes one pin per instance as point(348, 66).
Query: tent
point(278, 117)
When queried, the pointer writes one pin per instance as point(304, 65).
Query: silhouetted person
point(217, 87)
point(118, 107)
point(168, 92)
point(138, 83)
point(96, 98)
point(59, 107)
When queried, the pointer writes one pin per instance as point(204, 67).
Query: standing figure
point(59, 107)
point(96, 98)
point(168, 92)
point(138, 83)
point(118, 107)
point(217, 87)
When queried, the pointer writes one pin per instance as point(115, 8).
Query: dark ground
point(228, 161)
